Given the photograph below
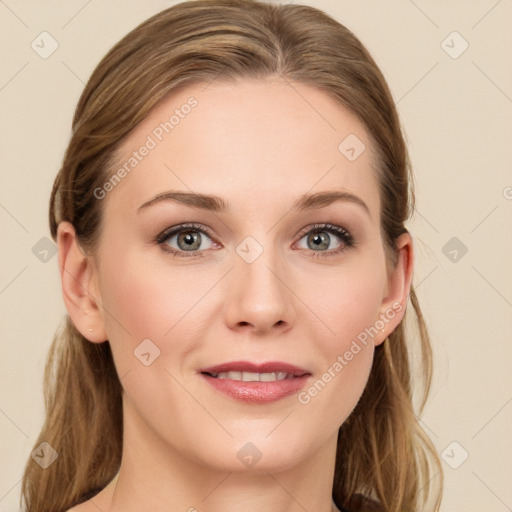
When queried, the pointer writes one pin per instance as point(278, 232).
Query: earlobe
point(394, 304)
point(78, 276)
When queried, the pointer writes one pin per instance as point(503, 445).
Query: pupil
point(190, 239)
point(321, 240)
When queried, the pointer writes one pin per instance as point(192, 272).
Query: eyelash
point(346, 238)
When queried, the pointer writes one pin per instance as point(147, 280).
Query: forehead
point(254, 141)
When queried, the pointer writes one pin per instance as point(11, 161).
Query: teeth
point(252, 376)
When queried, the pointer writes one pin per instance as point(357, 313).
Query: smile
point(256, 383)
point(253, 376)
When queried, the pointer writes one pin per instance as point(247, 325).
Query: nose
point(259, 297)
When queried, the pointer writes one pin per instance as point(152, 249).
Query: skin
point(259, 145)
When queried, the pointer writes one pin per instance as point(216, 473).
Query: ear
point(394, 303)
point(79, 285)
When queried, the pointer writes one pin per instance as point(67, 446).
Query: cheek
point(349, 303)
point(144, 299)
point(349, 309)
point(144, 296)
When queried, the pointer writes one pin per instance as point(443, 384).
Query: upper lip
point(246, 366)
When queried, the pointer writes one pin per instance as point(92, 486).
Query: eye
point(192, 238)
point(320, 237)
point(184, 238)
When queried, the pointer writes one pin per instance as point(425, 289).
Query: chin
point(256, 453)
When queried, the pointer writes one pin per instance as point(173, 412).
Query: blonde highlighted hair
point(383, 454)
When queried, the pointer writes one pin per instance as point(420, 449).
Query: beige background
point(458, 118)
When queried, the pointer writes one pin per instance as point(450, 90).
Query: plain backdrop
point(449, 66)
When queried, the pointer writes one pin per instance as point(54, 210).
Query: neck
point(155, 476)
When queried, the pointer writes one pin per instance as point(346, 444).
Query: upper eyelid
point(322, 225)
point(168, 232)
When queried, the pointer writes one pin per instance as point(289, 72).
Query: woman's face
point(269, 271)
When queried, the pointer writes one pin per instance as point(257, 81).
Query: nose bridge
point(258, 294)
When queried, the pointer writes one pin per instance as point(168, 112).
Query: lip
point(254, 391)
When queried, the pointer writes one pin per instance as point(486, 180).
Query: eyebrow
point(217, 204)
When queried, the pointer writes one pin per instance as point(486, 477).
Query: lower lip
point(257, 392)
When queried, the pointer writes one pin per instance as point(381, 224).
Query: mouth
point(253, 372)
point(256, 383)
point(252, 376)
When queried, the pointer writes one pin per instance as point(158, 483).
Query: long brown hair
point(382, 453)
